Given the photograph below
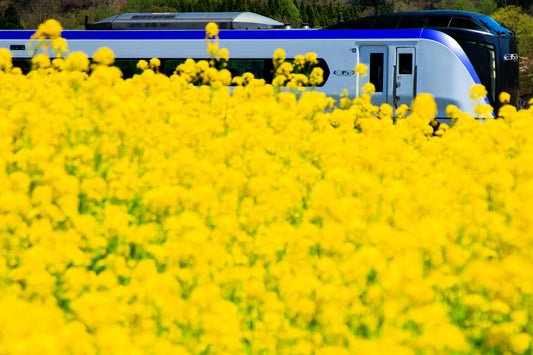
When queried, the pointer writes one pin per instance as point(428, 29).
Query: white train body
point(401, 62)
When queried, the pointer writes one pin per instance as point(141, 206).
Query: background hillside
point(517, 15)
point(317, 13)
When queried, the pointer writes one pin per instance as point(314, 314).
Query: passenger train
point(443, 53)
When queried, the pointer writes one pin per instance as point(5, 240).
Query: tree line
point(29, 14)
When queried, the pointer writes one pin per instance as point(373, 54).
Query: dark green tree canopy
point(10, 19)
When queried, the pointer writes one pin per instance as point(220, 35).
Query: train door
point(404, 85)
point(376, 59)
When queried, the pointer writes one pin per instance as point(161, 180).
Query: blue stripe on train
point(224, 34)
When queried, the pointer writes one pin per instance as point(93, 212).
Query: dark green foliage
point(294, 12)
point(315, 13)
point(313, 17)
point(10, 19)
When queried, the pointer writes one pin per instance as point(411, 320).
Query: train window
point(413, 22)
point(261, 68)
point(23, 63)
point(438, 21)
point(238, 67)
point(376, 70)
point(482, 58)
point(365, 22)
point(458, 22)
point(405, 65)
point(170, 65)
point(128, 67)
point(385, 22)
point(493, 25)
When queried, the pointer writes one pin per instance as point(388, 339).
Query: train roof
point(184, 21)
point(428, 19)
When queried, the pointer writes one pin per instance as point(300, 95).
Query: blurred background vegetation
point(517, 15)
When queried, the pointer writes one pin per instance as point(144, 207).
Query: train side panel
point(401, 63)
point(441, 73)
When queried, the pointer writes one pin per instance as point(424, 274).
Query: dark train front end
point(490, 47)
point(509, 70)
point(493, 52)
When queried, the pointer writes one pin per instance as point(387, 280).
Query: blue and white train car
point(402, 62)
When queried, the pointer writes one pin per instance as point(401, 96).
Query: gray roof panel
point(184, 21)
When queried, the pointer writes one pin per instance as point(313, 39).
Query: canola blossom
point(172, 215)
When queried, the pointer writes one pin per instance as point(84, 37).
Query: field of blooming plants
point(153, 216)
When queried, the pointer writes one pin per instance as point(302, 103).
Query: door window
point(376, 70)
point(405, 65)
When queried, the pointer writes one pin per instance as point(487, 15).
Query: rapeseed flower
point(316, 77)
point(104, 56)
point(212, 50)
point(368, 88)
point(520, 343)
point(77, 61)
point(49, 34)
point(279, 55)
point(142, 65)
point(478, 92)
point(152, 215)
point(155, 63)
point(211, 30)
point(311, 58)
point(223, 53)
point(361, 68)
point(41, 61)
point(5, 60)
point(504, 97)
point(484, 111)
point(299, 61)
point(385, 111)
point(59, 46)
point(50, 29)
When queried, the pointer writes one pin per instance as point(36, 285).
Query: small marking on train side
point(343, 72)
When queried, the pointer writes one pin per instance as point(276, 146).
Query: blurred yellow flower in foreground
point(5, 59)
point(361, 68)
point(104, 56)
point(477, 92)
point(211, 30)
point(50, 29)
point(504, 97)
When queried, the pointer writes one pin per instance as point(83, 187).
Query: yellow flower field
point(152, 216)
